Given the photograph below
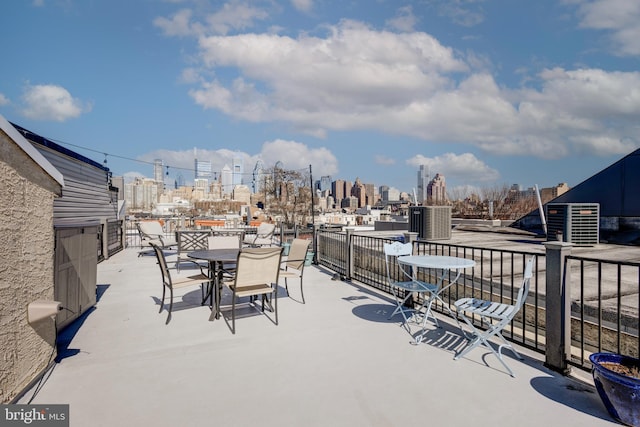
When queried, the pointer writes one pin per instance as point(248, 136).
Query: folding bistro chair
point(496, 316)
point(391, 252)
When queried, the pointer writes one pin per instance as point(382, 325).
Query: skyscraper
point(226, 180)
point(423, 183)
point(238, 170)
point(158, 173)
point(202, 169)
point(437, 190)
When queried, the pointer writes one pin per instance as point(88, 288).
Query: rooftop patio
point(336, 360)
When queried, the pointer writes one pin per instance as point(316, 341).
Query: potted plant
point(617, 379)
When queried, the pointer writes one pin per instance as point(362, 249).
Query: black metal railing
point(603, 316)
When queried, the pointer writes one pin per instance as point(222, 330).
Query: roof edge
point(31, 151)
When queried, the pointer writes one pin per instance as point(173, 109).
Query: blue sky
point(485, 92)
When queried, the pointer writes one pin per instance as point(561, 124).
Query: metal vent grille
point(577, 223)
point(430, 222)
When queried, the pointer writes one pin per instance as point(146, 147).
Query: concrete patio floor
point(335, 361)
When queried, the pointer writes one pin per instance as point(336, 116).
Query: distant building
point(437, 190)
point(158, 173)
point(242, 193)
point(324, 184)
point(423, 184)
point(142, 194)
point(226, 180)
point(238, 171)
point(202, 169)
point(339, 190)
point(359, 192)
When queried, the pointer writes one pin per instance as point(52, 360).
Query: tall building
point(359, 192)
point(202, 169)
point(437, 190)
point(258, 180)
point(338, 190)
point(238, 170)
point(226, 180)
point(158, 173)
point(324, 183)
point(423, 183)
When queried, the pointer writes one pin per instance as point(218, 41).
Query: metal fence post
point(349, 249)
point(557, 308)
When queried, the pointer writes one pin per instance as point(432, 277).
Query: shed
point(29, 185)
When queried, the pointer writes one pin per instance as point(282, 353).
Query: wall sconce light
point(40, 310)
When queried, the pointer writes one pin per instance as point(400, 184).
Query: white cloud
point(302, 5)
point(404, 20)
point(234, 15)
point(4, 100)
point(461, 167)
point(355, 77)
point(619, 17)
point(293, 155)
point(51, 102)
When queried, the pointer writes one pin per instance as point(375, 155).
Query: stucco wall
point(26, 267)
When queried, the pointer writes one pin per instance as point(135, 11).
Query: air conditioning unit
point(577, 223)
point(430, 222)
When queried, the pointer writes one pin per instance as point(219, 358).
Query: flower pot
point(620, 393)
point(309, 258)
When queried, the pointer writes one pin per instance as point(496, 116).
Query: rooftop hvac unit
point(577, 223)
point(430, 222)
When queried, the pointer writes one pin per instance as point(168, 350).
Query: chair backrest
point(192, 240)
point(162, 262)
point(224, 242)
point(151, 229)
point(394, 250)
point(526, 283)
point(297, 253)
point(265, 230)
point(257, 266)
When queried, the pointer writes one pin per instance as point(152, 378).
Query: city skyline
point(486, 93)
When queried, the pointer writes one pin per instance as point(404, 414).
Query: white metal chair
point(496, 316)
point(293, 266)
point(391, 252)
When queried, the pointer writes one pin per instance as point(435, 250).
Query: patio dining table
point(216, 259)
point(437, 262)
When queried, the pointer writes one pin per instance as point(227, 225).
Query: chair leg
point(170, 306)
point(302, 291)
point(164, 288)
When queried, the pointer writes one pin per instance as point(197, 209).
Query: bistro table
point(216, 258)
point(436, 262)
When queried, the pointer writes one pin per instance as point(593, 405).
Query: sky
point(485, 92)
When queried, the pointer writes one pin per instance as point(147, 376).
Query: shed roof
point(30, 150)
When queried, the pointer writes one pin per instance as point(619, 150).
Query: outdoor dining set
point(249, 267)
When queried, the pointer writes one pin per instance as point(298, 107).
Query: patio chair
point(293, 266)
point(170, 283)
point(495, 316)
point(188, 241)
point(408, 286)
point(256, 275)
point(226, 242)
point(151, 232)
point(264, 236)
